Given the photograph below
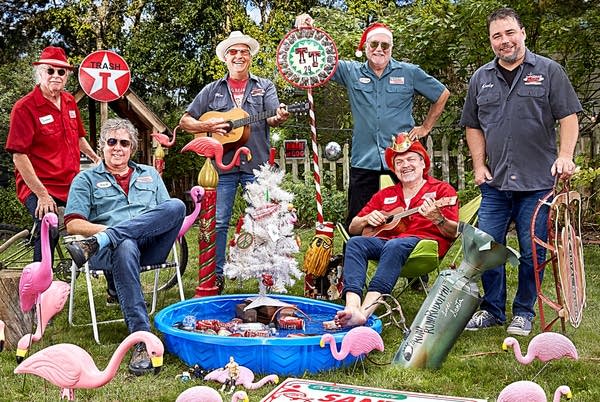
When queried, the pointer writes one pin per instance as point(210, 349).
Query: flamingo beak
point(322, 343)
point(504, 347)
point(157, 362)
point(21, 355)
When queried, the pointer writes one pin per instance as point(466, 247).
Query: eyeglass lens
point(233, 52)
point(375, 43)
point(60, 71)
point(111, 142)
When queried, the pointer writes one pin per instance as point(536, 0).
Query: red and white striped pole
point(316, 173)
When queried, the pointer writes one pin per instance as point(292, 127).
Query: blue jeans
point(144, 240)
point(31, 204)
point(392, 255)
point(498, 209)
point(226, 191)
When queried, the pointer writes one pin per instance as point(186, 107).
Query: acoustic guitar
point(394, 218)
point(239, 121)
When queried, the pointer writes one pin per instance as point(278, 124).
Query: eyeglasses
point(111, 142)
point(243, 52)
point(375, 43)
point(60, 71)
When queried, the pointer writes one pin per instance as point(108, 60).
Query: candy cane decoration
point(316, 174)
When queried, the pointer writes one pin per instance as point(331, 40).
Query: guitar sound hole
point(389, 219)
point(229, 126)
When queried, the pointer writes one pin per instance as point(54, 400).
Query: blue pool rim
point(262, 355)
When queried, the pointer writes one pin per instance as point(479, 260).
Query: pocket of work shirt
point(52, 128)
point(145, 193)
point(488, 107)
point(532, 102)
point(398, 96)
point(365, 94)
point(106, 199)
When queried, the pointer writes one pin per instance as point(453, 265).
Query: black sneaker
point(220, 283)
point(140, 362)
point(112, 300)
point(82, 250)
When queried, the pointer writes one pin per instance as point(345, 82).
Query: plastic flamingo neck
point(341, 355)
point(115, 361)
point(518, 355)
point(46, 251)
point(235, 161)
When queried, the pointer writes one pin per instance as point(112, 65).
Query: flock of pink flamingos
point(70, 367)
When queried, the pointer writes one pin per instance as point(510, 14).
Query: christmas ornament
point(333, 151)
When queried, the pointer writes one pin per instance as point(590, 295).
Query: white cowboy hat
point(236, 37)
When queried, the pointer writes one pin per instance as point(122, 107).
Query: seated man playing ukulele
point(435, 215)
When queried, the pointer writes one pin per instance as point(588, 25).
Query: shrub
point(11, 209)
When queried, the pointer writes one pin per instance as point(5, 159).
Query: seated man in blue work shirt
point(130, 219)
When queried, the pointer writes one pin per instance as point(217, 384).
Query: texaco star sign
point(104, 76)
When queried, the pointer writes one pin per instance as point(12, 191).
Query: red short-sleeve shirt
point(50, 138)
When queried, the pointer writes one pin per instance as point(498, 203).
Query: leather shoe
point(140, 362)
point(82, 250)
point(220, 283)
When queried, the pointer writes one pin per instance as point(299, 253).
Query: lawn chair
point(424, 259)
point(172, 263)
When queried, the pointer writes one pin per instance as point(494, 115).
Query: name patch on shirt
point(257, 92)
point(390, 200)
point(489, 85)
point(364, 80)
point(103, 184)
point(72, 114)
point(533, 79)
point(46, 119)
point(432, 195)
point(397, 80)
point(145, 179)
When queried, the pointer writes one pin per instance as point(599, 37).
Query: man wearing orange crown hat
point(381, 93)
point(45, 137)
point(416, 189)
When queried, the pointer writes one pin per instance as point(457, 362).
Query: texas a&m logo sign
point(104, 76)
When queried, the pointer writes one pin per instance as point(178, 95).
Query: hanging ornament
point(245, 240)
point(333, 151)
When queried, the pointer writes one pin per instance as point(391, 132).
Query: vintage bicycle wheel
point(19, 252)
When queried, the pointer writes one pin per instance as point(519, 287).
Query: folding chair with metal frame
point(173, 262)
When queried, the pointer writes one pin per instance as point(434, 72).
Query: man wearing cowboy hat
point(45, 137)
point(238, 89)
point(415, 189)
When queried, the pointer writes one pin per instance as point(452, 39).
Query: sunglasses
point(375, 43)
point(243, 52)
point(60, 71)
point(111, 142)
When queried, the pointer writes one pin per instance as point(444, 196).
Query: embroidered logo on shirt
point(397, 80)
point(390, 200)
point(218, 95)
point(46, 119)
point(364, 80)
point(488, 85)
point(72, 114)
point(145, 179)
point(103, 184)
point(533, 79)
point(432, 195)
point(257, 92)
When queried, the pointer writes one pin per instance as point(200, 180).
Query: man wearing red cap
point(381, 93)
point(45, 137)
point(416, 189)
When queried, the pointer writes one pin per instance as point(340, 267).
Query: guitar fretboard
point(252, 119)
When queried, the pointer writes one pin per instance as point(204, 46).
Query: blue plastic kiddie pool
point(272, 355)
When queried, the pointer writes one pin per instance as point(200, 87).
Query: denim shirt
point(519, 121)
point(260, 96)
point(96, 195)
point(382, 106)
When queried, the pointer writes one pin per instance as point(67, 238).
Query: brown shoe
point(140, 362)
point(82, 250)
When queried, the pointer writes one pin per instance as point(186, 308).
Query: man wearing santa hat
point(45, 137)
point(381, 92)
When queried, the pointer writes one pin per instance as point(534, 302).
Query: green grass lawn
point(476, 366)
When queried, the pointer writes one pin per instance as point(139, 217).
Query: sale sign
point(104, 76)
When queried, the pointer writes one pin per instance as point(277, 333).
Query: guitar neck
point(253, 119)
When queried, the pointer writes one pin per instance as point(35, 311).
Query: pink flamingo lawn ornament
point(545, 346)
point(212, 148)
point(245, 377)
point(358, 342)
point(163, 139)
point(52, 302)
point(37, 276)
point(70, 367)
point(527, 391)
point(1, 335)
point(207, 394)
point(196, 192)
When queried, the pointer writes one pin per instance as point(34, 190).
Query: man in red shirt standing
point(393, 245)
point(45, 137)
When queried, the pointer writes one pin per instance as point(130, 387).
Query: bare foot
point(350, 317)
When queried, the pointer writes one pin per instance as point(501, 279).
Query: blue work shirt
point(518, 122)
point(96, 195)
point(382, 106)
point(260, 96)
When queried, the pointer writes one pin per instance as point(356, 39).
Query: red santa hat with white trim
point(373, 29)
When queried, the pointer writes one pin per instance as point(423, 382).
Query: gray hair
point(114, 124)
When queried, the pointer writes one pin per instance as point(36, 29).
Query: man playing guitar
point(392, 247)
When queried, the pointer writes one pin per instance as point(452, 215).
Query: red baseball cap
point(54, 56)
point(402, 144)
